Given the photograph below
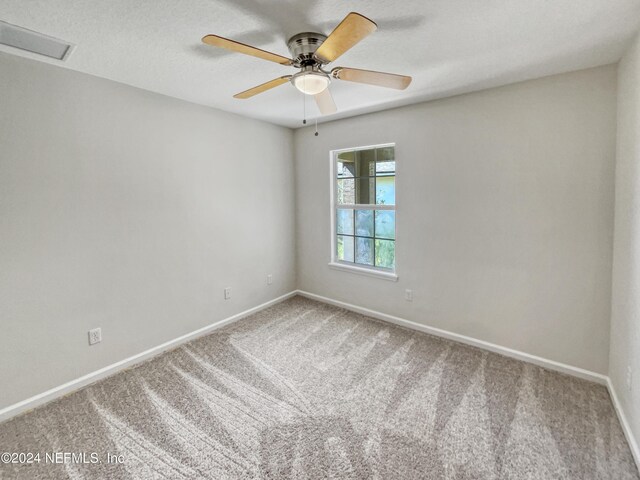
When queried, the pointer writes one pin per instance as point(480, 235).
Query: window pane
point(386, 190)
point(344, 221)
point(385, 253)
point(345, 248)
point(385, 224)
point(364, 251)
point(365, 163)
point(385, 154)
point(345, 169)
point(364, 223)
point(346, 191)
point(365, 190)
point(347, 157)
point(385, 168)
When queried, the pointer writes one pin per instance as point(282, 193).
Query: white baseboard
point(78, 383)
point(626, 428)
point(492, 347)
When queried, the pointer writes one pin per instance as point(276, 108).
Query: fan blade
point(325, 102)
point(381, 79)
point(350, 31)
point(222, 42)
point(262, 88)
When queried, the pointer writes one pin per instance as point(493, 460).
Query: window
point(364, 210)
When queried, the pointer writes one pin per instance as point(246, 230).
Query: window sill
point(369, 272)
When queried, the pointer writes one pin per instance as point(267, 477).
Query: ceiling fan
point(310, 53)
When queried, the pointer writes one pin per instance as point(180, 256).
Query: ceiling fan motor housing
point(302, 47)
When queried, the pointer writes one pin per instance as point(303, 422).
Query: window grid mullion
point(375, 201)
point(365, 206)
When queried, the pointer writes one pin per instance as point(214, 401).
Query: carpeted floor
point(307, 390)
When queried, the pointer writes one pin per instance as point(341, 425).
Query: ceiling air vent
point(30, 41)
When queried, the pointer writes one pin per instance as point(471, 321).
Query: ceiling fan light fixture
point(310, 82)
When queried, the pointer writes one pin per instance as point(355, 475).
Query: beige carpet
point(306, 390)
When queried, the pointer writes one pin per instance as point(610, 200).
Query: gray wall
point(505, 214)
point(625, 308)
point(131, 211)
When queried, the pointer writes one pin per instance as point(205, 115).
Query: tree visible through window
point(364, 212)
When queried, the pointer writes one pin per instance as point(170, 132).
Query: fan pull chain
point(316, 127)
point(304, 103)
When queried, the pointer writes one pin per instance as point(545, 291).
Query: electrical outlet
point(95, 336)
point(629, 375)
point(408, 295)
point(227, 293)
point(269, 279)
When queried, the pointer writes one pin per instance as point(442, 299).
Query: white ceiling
point(448, 46)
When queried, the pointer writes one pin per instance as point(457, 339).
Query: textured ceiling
point(448, 46)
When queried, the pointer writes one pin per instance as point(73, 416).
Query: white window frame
point(370, 271)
